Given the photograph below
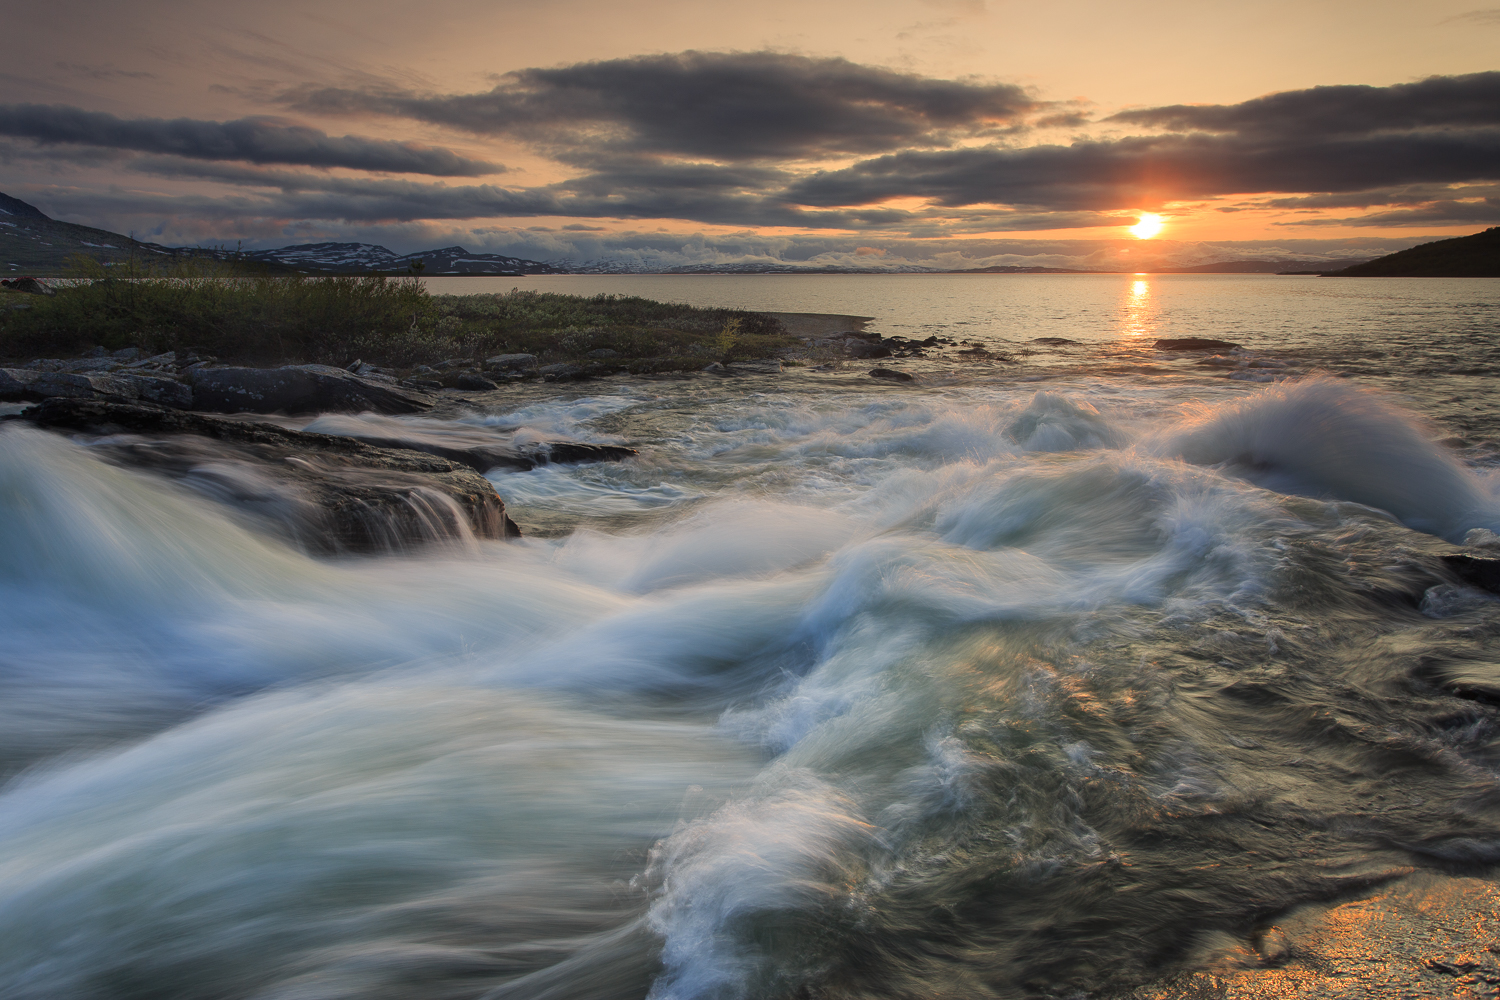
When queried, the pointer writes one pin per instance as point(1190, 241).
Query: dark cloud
point(1145, 172)
point(1437, 102)
point(710, 105)
point(1438, 213)
point(256, 140)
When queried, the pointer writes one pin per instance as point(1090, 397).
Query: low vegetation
point(205, 307)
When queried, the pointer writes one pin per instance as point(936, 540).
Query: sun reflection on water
point(1139, 320)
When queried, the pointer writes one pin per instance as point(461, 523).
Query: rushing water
point(1019, 680)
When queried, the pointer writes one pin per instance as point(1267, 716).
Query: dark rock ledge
point(328, 494)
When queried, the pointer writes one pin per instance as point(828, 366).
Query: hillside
point(31, 243)
point(1476, 256)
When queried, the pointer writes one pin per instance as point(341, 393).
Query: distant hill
point(35, 245)
point(367, 258)
point(1258, 266)
point(31, 243)
point(1476, 256)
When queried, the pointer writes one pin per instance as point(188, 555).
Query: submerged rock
point(1195, 344)
point(330, 494)
point(299, 389)
point(890, 375)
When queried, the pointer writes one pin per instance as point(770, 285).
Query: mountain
point(1476, 256)
point(1257, 266)
point(31, 243)
point(367, 258)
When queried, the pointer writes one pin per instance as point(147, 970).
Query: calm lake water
point(1024, 679)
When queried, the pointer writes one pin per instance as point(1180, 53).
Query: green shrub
point(211, 308)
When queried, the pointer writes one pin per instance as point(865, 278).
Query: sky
point(659, 133)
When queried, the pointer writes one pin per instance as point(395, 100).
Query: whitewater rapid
point(967, 690)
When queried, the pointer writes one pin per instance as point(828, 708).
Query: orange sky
point(224, 62)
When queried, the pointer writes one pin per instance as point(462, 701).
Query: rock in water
point(298, 389)
point(115, 387)
point(330, 494)
point(890, 375)
point(1195, 344)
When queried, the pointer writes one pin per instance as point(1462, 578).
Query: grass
point(207, 307)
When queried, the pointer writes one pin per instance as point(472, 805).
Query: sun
point(1148, 227)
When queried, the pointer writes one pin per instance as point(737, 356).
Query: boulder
point(21, 383)
point(866, 349)
point(1195, 344)
point(890, 375)
point(1475, 570)
point(561, 373)
point(511, 361)
point(15, 383)
point(298, 389)
point(327, 493)
point(472, 381)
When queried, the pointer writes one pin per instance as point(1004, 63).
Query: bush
point(210, 308)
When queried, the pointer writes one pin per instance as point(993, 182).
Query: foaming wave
point(360, 840)
point(1326, 438)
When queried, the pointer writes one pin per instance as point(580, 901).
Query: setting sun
point(1148, 227)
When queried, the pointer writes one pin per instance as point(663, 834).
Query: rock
point(355, 366)
point(761, 366)
point(511, 361)
point(330, 494)
point(560, 372)
point(422, 383)
point(604, 352)
point(1477, 571)
point(890, 375)
point(715, 367)
point(504, 454)
point(864, 349)
point(298, 389)
point(15, 383)
point(1195, 344)
point(127, 353)
point(473, 382)
point(1059, 341)
point(169, 358)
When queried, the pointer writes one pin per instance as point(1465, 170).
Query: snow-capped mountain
point(363, 258)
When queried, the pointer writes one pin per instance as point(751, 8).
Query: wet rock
point(715, 367)
point(330, 494)
point(890, 375)
point(471, 381)
point(761, 366)
point(561, 373)
point(15, 383)
point(298, 389)
point(504, 455)
point(1195, 344)
point(1059, 341)
point(1475, 570)
point(24, 384)
point(863, 349)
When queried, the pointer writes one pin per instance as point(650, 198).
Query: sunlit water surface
point(1017, 680)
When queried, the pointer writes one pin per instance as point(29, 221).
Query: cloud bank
point(252, 140)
